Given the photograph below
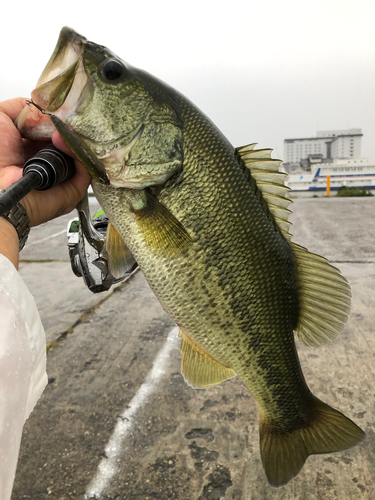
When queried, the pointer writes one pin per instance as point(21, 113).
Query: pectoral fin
point(161, 230)
point(119, 256)
point(198, 368)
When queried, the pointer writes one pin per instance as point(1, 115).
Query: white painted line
point(45, 239)
point(114, 450)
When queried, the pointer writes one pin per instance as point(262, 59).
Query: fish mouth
point(68, 50)
point(58, 89)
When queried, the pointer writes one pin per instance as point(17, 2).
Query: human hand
point(40, 206)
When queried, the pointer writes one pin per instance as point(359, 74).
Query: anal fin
point(198, 368)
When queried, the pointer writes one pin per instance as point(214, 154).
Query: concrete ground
point(107, 427)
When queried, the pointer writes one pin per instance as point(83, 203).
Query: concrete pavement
point(179, 443)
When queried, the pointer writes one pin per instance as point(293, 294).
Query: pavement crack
point(124, 419)
point(86, 314)
point(365, 339)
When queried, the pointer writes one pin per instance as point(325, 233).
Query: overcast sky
point(262, 71)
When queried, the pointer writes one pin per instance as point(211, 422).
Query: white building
point(328, 143)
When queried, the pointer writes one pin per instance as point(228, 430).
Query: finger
point(74, 191)
point(42, 206)
point(31, 148)
point(59, 142)
point(9, 175)
point(13, 107)
point(11, 146)
point(82, 178)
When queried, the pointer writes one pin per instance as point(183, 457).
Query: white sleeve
point(22, 367)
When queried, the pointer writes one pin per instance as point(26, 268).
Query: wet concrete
point(61, 297)
point(185, 444)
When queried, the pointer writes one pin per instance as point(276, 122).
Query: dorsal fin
point(324, 294)
point(324, 298)
point(248, 147)
point(270, 181)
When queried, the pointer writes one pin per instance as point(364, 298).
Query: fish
point(208, 225)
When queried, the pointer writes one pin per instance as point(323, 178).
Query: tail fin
point(284, 453)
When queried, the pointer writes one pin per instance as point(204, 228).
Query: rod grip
point(14, 193)
point(48, 167)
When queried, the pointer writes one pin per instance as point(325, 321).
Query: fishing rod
point(46, 169)
point(86, 236)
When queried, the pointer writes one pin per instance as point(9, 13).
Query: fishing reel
point(86, 245)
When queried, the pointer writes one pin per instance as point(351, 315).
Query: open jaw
point(58, 89)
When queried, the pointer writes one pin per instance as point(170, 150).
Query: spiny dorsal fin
point(257, 154)
point(264, 164)
point(269, 177)
point(270, 181)
point(324, 296)
point(119, 256)
point(248, 147)
point(278, 201)
point(198, 368)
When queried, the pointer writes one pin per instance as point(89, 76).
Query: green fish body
point(207, 224)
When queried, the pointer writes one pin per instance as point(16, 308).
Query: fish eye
point(112, 70)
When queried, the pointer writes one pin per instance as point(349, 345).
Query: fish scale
point(208, 226)
point(209, 160)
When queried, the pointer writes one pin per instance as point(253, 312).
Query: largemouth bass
point(208, 226)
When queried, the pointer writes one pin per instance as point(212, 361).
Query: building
point(327, 144)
